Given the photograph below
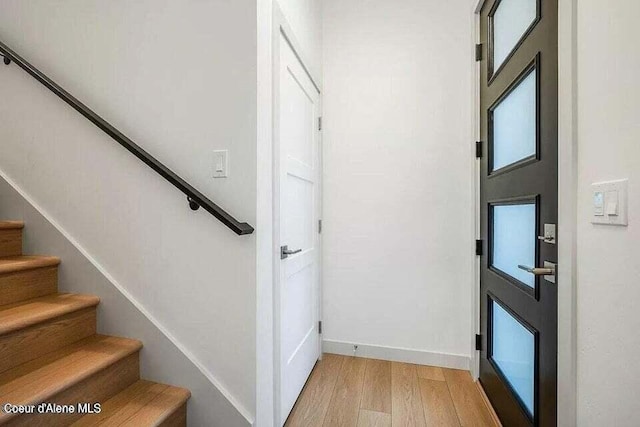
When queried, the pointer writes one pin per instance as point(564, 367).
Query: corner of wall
point(265, 416)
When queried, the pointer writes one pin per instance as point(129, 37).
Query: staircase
point(50, 352)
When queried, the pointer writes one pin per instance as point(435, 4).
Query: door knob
point(285, 252)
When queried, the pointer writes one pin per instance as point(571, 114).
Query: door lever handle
point(539, 271)
point(285, 252)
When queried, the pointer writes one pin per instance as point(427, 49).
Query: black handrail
point(196, 199)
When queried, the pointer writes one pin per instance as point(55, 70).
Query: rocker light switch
point(610, 203)
point(220, 164)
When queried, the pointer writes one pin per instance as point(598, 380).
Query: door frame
point(567, 207)
point(282, 28)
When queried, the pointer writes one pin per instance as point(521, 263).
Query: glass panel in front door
point(514, 240)
point(511, 19)
point(513, 350)
point(513, 131)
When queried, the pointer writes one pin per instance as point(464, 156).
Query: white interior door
point(299, 107)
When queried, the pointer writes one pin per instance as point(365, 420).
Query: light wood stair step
point(21, 315)
point(143, 404)
point(11, 225)
point(26, 277)
point(11, 238)
point(91, 370)
point(23, 263)
point(38, 326)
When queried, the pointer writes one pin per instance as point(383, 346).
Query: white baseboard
point(396, 354)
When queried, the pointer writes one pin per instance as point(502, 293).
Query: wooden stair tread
point(51, 353)
point(42, 378)
point(11, 225)
point(22, 263)
point(142, 404)
point(31, 312)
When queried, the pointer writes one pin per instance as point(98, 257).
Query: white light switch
point(610, 203)
point(220, 164)
point(611, 199)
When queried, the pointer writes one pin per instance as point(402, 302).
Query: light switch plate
point(609, 202)
point(220, 164)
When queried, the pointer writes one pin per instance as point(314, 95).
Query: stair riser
point(30, 343)
point(24, 285)
point(97, 388)
point(177, 419)
point(10, 242)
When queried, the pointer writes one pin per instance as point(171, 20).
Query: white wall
point(608, 258)
point(179, 77)
point(399, 193)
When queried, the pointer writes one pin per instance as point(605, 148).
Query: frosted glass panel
point(514, 124)
point(514, 352)
point(510, 21)
point(514, 240)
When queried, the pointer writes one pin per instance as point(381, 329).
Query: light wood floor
point(351, 391)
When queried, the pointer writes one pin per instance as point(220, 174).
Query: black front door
point(519, 209)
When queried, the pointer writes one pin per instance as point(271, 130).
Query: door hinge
point(478, 149)
point(320, 327)
point(479, 247)
point(479, 52)
point(320, 123)
point(478, 342)
point(319, 226)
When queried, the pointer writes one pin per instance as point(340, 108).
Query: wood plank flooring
point(347, 391)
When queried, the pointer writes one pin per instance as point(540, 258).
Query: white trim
point(275, 161)
point(567, 212)
point(475, 136)
point(216, 383)
point(264, 219)
point(397, 354)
